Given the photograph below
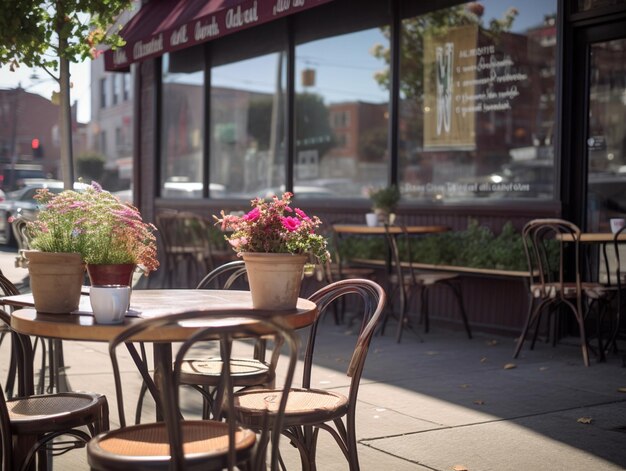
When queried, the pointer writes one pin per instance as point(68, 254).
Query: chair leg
point(455, 286)
point(529, 317)
point(424, 315)
point(402, 313)
point(581, 331)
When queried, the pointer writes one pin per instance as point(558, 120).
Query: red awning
point(164, 26)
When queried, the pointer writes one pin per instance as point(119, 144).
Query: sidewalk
point(441, 404)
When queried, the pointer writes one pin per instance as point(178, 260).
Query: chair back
point(19, 228)
point(7, 287)
point(552, 248)
point(616, 248)
point(183, 232)
point(373, 299)
point(225, 276)
point(6, 451)
point(226, 328)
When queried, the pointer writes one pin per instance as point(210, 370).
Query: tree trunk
point(65, 124)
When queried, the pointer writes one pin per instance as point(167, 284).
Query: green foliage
point(90, 167)
point(38, 34)
point(386, 198)
point(475, 247)
point(273, 226)
point(95, 224)
point(313, 130)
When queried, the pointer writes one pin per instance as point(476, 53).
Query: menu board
point(468, 75)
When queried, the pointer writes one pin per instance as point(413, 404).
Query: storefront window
point(248, 125)
point(181, 125)
point(341, 116)
point(477, 102)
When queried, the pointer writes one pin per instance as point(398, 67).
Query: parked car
point(21, 203)
point(12, 177)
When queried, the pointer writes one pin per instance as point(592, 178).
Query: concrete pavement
point(442, 403)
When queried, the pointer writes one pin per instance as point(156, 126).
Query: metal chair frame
point(42, 419)
point(553, 285)
point(303, 421)
point(408, 281)
point(243, 448)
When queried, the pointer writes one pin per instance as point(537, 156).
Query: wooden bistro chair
point(204, 374)
point(617, 329)
point(552, 248)
point(29, 424)
point(406, 280)
point(310, 410)
point(186, 246)
point(179, 443)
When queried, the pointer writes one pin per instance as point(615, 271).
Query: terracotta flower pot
point(275, 279)
point(56, 280)
point(111, 274)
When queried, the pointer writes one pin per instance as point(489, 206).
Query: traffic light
point(35, 146)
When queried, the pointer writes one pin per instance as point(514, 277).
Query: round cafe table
point(144, 304)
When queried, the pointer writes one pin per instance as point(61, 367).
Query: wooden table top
point(372, 230)
point(594, 237)
point(146, 304)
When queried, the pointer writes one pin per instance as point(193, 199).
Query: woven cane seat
point(208, 371)
point(304, 406)
point(201, 438)
point(52, 412)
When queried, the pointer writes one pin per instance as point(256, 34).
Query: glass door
point(605, 143)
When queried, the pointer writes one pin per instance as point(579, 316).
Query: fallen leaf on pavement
point(510, 366)
point(584, 420)
point(479, 402)
point(459, 467)
point(621, 389)
point(491, 343)
point(465, 386)
point(483, 359)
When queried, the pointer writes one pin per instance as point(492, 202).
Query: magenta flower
point(272, 226)
point(289, 223)
point(253, 215)
point(302, 214)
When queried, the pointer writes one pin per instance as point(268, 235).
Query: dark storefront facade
point(493, 110)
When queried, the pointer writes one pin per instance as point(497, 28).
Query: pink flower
point(253, 215)
point(302, 214)
point(289, 223)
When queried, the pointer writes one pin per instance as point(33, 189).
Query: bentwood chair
point(31, 424)
point(204, 374)
point(310, 410)
point(186, 246)
point(7, 288)
point(617, 330)
point(552, 248)
point(179, 443)
point(406, 280)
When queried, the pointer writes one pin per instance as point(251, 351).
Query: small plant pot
point(274, 279)
point(56, 280)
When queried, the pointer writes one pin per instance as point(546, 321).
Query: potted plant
point(274, 239)
point(97, 229)
point(384, 202)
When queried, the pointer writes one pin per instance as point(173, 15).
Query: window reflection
point(181, 129)
point(477, 102)
point(341, 117)
point(248, 127)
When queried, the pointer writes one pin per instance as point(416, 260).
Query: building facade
point(496, 111)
